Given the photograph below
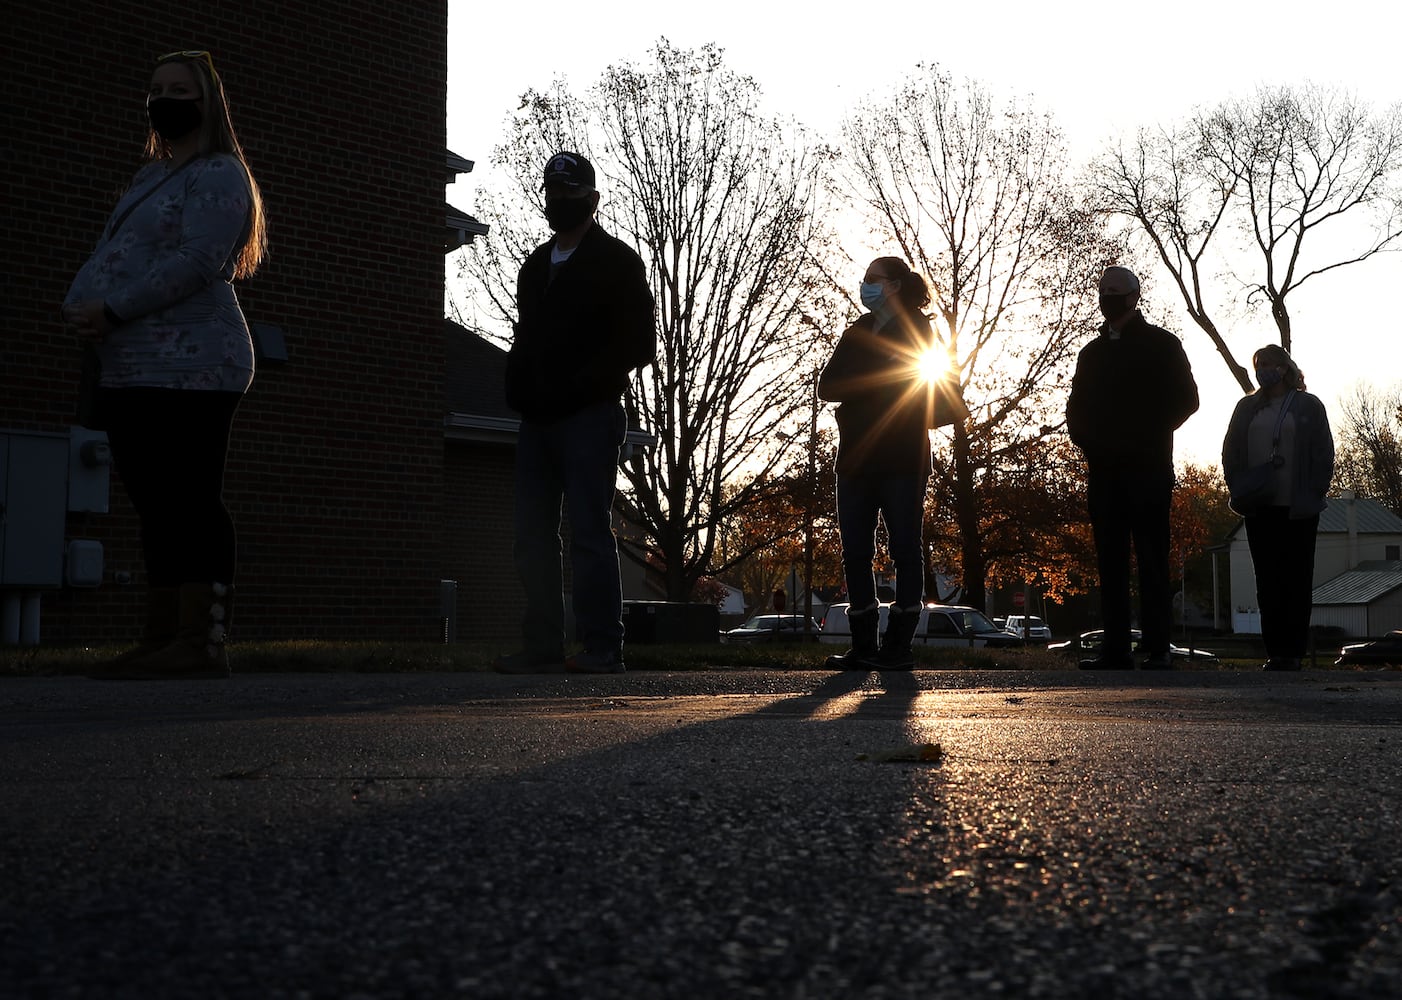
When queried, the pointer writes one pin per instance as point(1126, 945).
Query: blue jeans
point(573, 460)
point(900, 502)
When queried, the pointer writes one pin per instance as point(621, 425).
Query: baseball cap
point(1119, 281)
point(571, 170)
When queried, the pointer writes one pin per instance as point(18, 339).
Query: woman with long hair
point(1285, 428)
point(156, 302)
point(883, 457)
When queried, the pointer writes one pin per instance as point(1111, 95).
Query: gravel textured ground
point(717, 834)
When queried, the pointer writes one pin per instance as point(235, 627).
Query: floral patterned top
point(166, 272)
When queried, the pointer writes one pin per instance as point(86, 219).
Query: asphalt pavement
point(704, 834)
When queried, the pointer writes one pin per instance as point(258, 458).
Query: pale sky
point(1102, 69)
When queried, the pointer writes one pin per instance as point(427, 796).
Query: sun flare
point(933, 364)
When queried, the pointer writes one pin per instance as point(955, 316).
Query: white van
point(939, 625)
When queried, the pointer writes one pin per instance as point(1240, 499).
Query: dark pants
point(1130, 507)
point(1282, 552)
point(169, 447)
point(573, 461)
point(900, 502)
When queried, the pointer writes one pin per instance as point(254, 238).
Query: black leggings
point(169, 447)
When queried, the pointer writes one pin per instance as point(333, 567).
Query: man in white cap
point(1133, 387)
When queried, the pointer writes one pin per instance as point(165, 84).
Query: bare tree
point(1259, 176)
point(977, 197)
point(1179, 201)
point(719, 200)
point(1369, 451)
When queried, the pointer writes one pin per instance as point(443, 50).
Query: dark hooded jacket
point(581, 329)
point(883, 420)
point(1128, 395)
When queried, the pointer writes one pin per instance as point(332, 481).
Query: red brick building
point(340, 479)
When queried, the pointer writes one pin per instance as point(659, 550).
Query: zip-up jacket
point(581, 330)
point(1129, 394)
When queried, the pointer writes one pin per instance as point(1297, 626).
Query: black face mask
point(566, 213)
point(172, 117)
point(1114, 307)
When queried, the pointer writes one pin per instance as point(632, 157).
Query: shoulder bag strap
point(119, 220)
point(1284, 409)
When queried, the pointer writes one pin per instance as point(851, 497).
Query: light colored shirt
point(1260, 434)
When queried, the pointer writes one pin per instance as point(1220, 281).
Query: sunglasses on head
point(192, 54)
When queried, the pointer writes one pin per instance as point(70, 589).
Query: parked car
point(1090, 646)
point(939, 625)
point(1028, 627)
point(774, 628)
point(1383, 652)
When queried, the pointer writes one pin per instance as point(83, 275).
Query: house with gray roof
point(1357, 570)
point(1366, 600)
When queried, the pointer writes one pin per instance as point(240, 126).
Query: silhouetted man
point(1132, 389)
point(585, 322)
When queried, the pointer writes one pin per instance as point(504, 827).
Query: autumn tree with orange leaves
point(1032, 520)
point(762, 541)
point(1199, 519)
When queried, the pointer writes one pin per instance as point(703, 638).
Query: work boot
point(1158, 661)
point(606, 661)
point(862, 654)
point(197, 649)
point(896, 653)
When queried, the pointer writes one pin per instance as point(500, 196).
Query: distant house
point(1367, 600)
point(1357, 570)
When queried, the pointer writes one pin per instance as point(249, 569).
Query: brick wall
point(336, 472)
point(478, 480)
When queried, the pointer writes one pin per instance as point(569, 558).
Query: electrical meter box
point(33, 504)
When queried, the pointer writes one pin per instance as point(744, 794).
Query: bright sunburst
point(933, 364)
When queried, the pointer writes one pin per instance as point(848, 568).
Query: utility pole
point(812, 493)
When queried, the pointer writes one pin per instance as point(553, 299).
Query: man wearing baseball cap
point(585, 322)
point(1133, 387)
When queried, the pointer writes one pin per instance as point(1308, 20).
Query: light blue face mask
point(873, 295)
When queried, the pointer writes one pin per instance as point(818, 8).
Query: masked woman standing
point(155, 299)
point(1283, 428)
point(883, 457)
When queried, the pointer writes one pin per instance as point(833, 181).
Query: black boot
point(197, 648)
point(896, 653)
point(862, 655)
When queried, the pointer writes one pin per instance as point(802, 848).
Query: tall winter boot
point(197, 649)
point(862, 655)
point(162, 618)
point(896, 653)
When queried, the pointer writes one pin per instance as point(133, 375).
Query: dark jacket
point(883, 419)
point(1311, 462)
point(1128, 395)
point(581, 332)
